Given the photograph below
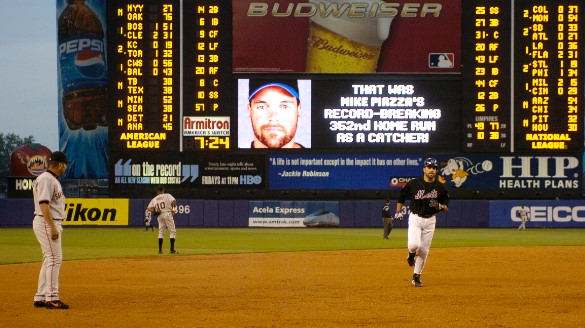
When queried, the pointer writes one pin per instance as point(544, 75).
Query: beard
point(274, 139)
point(431, 175)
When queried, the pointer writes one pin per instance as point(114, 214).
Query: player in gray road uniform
point(427, 197)
point(166, 205)
point(148, 220)
point(524, 216)
point(49, 214)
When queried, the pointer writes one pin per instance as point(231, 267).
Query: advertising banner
point(281, 214)
point(346, 36)
point(103, 212)
point(211, 170)
point(456, 171)
point(511, 172)
point(342, 171)
point(542, 214)
point(82, 98)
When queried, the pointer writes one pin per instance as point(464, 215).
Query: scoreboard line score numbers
point(144, 75)
point(206, 120)
point(487, 108)
point(524, 65)
point(166, 36)
point(549, 98)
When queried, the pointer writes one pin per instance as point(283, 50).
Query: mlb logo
point(441, 60)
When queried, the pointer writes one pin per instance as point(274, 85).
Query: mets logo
point(37, 165)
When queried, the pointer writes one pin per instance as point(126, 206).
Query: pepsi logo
point(90, 63)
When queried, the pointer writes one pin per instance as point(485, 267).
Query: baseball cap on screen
point(431, 162)
point(290, 86)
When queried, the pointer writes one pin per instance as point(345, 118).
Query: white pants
point(523, 224)
point(166, 221)
point(420, 236)
point(48, 285)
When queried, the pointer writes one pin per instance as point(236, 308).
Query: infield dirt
point(473, 287)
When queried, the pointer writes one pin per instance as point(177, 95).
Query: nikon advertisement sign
point(103, 211)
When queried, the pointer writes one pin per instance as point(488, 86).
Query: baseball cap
point(58, 156)
point(291, 86)
point(431, 162)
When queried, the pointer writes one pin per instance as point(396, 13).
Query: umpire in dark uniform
point(387, 218)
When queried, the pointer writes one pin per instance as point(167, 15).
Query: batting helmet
point(431, 162)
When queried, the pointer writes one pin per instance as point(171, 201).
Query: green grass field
point(18, 245)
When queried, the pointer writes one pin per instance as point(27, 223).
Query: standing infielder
point(47, 226)
point(524, 216)
point(166, 205)
point(427, 197)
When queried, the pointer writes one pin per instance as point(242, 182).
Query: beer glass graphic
point(346, 41)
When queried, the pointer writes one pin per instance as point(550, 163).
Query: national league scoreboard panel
point(380, 83)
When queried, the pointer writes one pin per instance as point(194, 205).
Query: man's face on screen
point(274, 113)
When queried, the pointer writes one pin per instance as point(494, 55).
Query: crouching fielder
point(166, 205)
point(427, 197)
point(148, 219)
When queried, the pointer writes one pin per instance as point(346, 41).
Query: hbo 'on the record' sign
point(250, 179)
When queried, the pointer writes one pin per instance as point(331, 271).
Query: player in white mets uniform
point(165, 206)
point(427, 197)
point(47, 226)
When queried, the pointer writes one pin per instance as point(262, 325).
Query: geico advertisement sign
point(102, 211)
point(551, 213)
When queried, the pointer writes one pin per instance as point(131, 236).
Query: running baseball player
point(524, 216)
point(166, 205)
point(427, 197)
point(387, 218)
point(49, 204)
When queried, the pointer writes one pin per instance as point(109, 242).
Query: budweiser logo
point(322, 44)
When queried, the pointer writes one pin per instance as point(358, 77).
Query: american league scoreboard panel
point(492, 88)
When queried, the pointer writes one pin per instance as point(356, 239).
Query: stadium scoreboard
point(482, 76)
point(162, 94)
point(519, 86)
point(526, 76)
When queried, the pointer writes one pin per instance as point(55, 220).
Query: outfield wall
point(245, 213)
